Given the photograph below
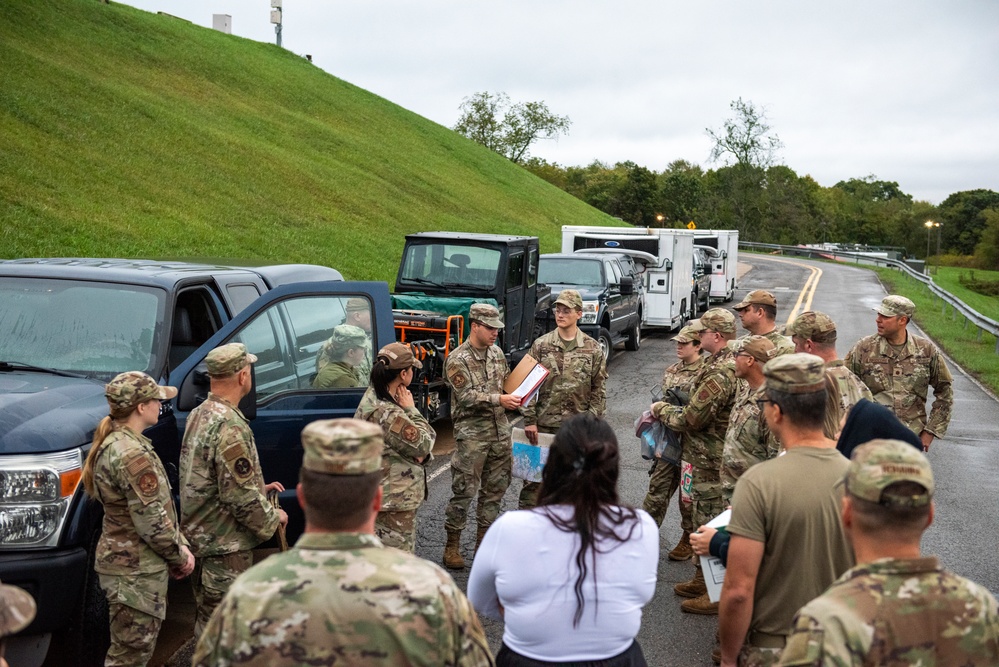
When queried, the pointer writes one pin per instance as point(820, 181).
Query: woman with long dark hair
point(408, 441)
point(570, 577)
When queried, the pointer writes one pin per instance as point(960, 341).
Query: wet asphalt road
point(966, 463)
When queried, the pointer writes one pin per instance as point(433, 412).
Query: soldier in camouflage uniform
point(758, 315)
point(409, 438)
point(704, 421)
point(140, 535)
point(224, 509)
point(483, 460)
point(664, 477)
point(357, 314)
point(899, 369)
point(576, 382)
point(895, 607)
point(748, 439)
point(815, 333)
point(345, 351)
point(340, 596)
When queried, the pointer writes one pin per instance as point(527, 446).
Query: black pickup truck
point(67, 326)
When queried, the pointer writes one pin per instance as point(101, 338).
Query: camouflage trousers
point(397, 529)
point(136, 609)
point(755, 656)
point(481, 468)
point(664, 480)
point(211, 579)
point(707, 495)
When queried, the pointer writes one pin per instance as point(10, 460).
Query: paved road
point(966, 463)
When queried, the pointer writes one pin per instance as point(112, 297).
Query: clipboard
point(524, 381)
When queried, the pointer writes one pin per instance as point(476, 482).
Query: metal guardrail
point(949, 300)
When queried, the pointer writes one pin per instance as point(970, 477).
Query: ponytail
point(101, 433)
point(381, 377)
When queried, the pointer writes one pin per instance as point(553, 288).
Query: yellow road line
point(807, 292)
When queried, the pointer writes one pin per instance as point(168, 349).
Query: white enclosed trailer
point(724, 263)
point(666, 254)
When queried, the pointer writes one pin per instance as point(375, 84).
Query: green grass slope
point(126, 133)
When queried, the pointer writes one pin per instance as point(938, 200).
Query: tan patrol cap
point(570, 298)
point(760, 348)
point(758, 297)
point(894, 305)
point(17, 610)
point(131, 388)
point(688, 334)
point(718, 319)
point(813, 325)
point(356, 304)
point(228, 359)
point(879, 463)
point(487, 314)
point(799, 373)
point(397, 356)
point(342, 447)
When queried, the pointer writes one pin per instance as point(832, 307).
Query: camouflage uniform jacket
point(140, 533)
point(705, 419)
point(223, 508)
point(363, 369)
point(476, 378)
point(748, 439)
point(851, 390)
point(343, 598)
point(900, 378)
point(782, 343)
point(336, 375)
point(408, 437)
point(682, 375)
point(897, 612)
point(576, 382)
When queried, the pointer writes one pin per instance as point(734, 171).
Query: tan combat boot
point(702, 604)
point(682, 550)
point(452, 556)
point(693, 588)
point(479, 534)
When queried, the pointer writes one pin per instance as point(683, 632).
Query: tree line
point(769, 202)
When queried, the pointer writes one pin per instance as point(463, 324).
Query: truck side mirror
point(627, 285)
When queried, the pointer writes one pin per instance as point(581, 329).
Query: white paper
point(531, 383)
point(720, 521)
point(714, 576)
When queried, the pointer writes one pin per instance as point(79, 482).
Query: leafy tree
point(509, 129)
point(962, 218)
point(635, 201)
point(681, 188)
point(987, 250)
point(747, 138)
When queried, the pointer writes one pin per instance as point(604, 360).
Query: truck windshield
point(96, 329)
point(555, 271)
point(450, 264)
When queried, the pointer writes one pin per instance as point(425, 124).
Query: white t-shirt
point(528, 565)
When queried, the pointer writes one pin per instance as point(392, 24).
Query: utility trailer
point(724, 260)
point(667, 256)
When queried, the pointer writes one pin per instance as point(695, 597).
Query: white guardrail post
point(947, 299)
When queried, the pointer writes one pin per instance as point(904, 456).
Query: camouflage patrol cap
point(17, 610)
point(813, 325)
point(760, 348)
point(484, 313)
point(356, 304)
point(131, 388)
point(397, 356)
point(228, 359)
point(570, 298)
point(695, 326)
point(894, 305)
point(758, 297)
point(718, 319)
point(345, 337)
point(688, 334)
point(798, 373)
point(879, 463)
point(342, 447)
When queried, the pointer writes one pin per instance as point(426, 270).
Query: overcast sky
point(907, 90)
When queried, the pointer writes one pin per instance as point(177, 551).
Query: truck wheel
point(634, 336)
point(87, 640)
point(606, 346)
point(695, 305)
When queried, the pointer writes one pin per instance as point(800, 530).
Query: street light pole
point(276, 16)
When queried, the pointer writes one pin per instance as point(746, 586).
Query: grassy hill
point(130, 134)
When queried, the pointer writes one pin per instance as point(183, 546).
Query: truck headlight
point(590, 310)
point(35, 494)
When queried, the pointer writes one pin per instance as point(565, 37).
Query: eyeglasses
point(760, 402)
point(561, 310)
